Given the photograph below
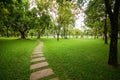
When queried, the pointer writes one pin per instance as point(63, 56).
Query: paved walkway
point(38, 65)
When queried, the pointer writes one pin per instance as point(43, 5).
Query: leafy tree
point(15, 14)
point(65, 17)
point(21, 18)
point(96, 15)
point(43, 20)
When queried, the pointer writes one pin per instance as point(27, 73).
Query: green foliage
point(65, 18)
point(95, 15)
point(15, 16)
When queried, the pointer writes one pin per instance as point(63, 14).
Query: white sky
point(80, 21)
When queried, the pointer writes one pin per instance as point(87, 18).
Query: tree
point(65, 17)
point(15, 15)
point(112, 8)
point(96, 13)
point(45, 23)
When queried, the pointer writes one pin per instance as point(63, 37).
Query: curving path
point(39, 67)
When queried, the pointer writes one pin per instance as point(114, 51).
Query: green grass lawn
point(71, 59)
point(80, 59)
point(15, 58)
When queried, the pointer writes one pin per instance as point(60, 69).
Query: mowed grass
point(80, 59)
point(15, 58)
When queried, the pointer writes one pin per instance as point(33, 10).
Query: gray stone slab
point(41, 74)
point(38, 65)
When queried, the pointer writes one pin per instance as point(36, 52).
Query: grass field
point(15, 58)
point(80, 59)
point(71, 59)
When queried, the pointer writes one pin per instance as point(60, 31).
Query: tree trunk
point(113, 44)
point(7, 34)
point(105, 29)
point(113, 15)
point(64, 31)
point(38, 35)
point(57, 36)
point(22, 33)
point(58, 33)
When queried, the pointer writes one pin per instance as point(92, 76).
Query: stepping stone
point(41, 74)
point(54, 78)
point(37, 59)
point(37, 49)
point(38, 65)
point(37, 55)
point(37, 52)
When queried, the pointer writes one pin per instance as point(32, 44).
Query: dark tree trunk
point(113, 43)
point(22, 35)
point(113, 15)
point(57, 36)
point(54, 34)
point(40, 32)
point(7, 31)
point(58, 33)
point(38, 35)
point(105, 29)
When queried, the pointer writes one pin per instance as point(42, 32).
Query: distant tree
point(65, 17)
point(77, 33)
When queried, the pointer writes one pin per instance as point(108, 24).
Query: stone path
point(39, 64)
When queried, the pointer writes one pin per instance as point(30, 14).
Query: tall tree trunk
point(113, 15)
point(113, 43)
point(105, 29)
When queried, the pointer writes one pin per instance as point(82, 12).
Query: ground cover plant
point(15, 58)
point(80, 59)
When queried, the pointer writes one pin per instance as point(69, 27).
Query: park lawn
point(15, 58)
point(80, 59)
